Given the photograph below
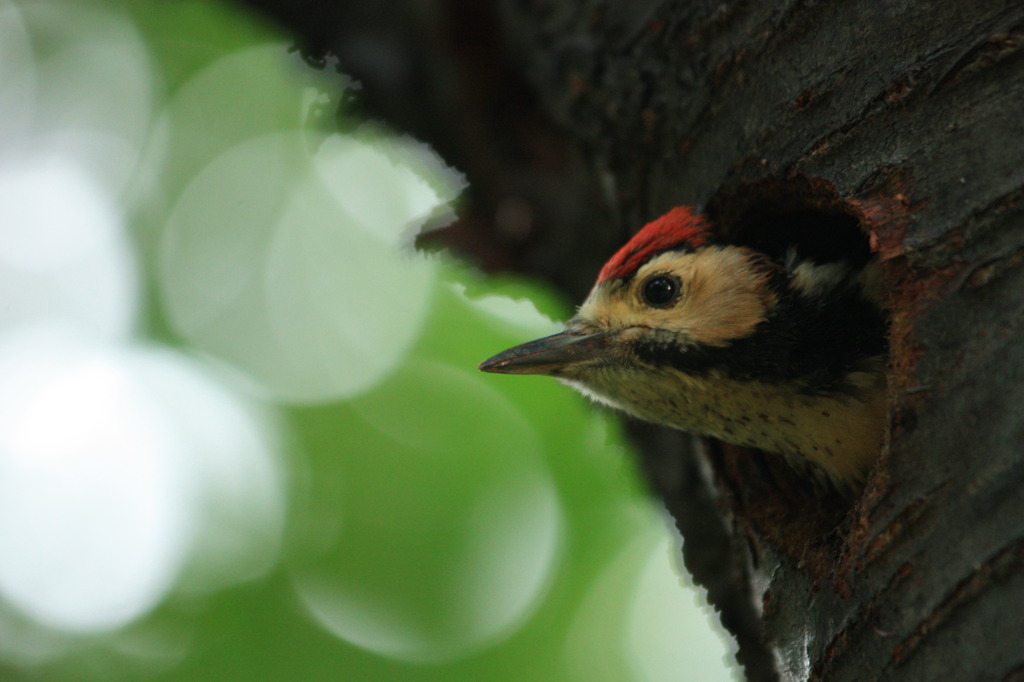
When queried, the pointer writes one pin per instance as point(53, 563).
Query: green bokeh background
point(394, 492)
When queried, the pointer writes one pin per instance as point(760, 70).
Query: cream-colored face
point(723, 295)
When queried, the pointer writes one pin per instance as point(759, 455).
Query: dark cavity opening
point(772, 216)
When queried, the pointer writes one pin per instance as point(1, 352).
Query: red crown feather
point(680, 226)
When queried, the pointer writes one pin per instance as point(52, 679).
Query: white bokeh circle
point(116, 465)
point(68, 259)
point(263, 267)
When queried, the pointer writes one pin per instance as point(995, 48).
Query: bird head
point(688, 329)
point(672, 290)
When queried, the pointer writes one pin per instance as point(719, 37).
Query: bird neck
point(838, 434)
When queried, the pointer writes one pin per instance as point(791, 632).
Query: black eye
point(660, 291)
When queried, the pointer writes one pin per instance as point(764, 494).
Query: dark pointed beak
point(548, 355)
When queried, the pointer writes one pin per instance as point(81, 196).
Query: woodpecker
point(779, 350)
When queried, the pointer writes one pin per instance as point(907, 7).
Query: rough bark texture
point(577, 121)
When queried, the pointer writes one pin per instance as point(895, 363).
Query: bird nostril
point(580, 327)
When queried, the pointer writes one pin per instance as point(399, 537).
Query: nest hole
point(773, 216)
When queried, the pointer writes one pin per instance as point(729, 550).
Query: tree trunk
point(906, 115)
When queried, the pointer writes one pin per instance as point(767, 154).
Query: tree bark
point(579, 121)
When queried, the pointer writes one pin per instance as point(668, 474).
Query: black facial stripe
point(814, 340)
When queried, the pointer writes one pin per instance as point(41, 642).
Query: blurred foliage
point(386, 512)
